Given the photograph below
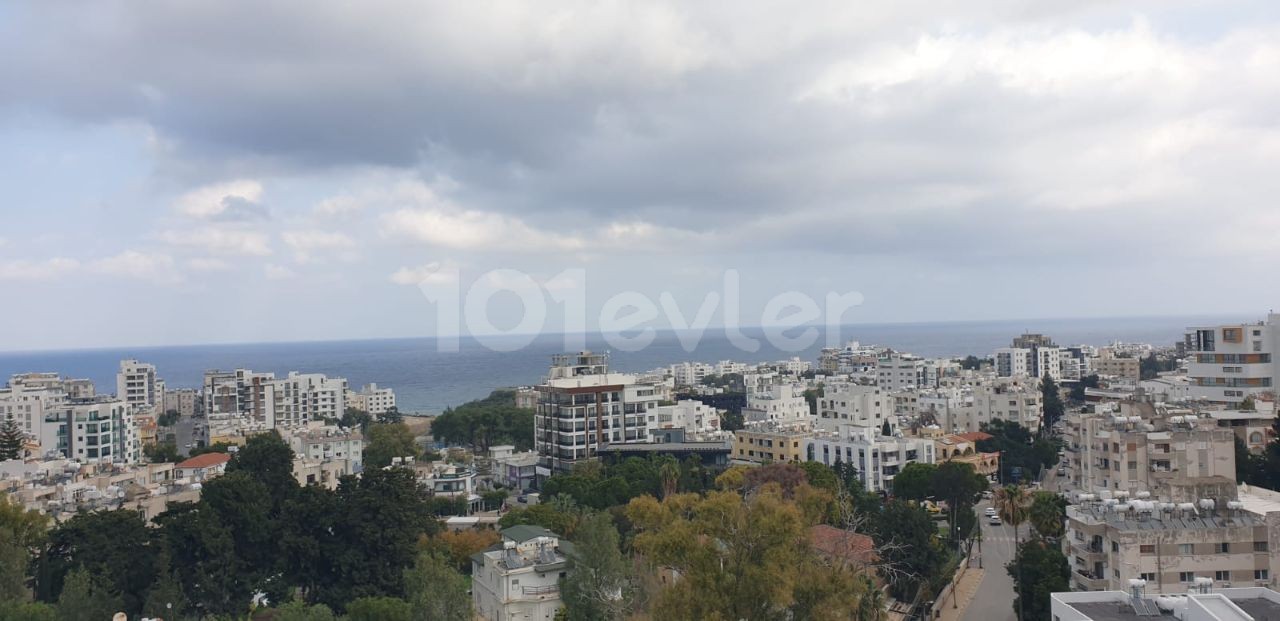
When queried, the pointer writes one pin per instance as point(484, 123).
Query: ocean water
point(427, 380)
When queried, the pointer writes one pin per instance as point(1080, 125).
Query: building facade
point(519, 579)
point(1229, 363)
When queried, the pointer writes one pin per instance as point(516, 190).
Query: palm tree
point(669, 473)
point(1046, 515)
point(1012, 503)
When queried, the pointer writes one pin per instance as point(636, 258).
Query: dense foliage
point(1018, 449)
point(486, 422)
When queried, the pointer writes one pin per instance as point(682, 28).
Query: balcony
point(1087, 581)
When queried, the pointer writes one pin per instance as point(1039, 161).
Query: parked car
point(994, 520)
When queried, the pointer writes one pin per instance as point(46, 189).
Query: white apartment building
point(782, 404)
point(1032, 355)
point(793, 366)
point(93, 428)
point(139, 386)
point(691, 373)
point(725, 367)
point(896, 372)
point(966, 408)
point(519, 581)
point(854, 404)
point(695, 418)
point(328, 443)
point(264, 400)
point(183, 401)
point(583, 408)
point(878, 458)
point(1229, 363)
point(371, 399)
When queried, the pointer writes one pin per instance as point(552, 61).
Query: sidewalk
point(965, 590)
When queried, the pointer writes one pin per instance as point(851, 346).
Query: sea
point(427, 380)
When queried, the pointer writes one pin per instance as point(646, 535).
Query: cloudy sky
point(242, 171)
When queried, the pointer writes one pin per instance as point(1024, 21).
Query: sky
point(244, 171)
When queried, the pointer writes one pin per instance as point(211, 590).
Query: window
point(1147, 548)
point(1148, 576)
point(1115, 546)
point(1186, 576)
point(1222, 575)
point(1261, 574)
point(1259, 546)
point(1186, 548)
point(1222, 548)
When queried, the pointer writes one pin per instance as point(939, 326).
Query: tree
point(355, 419)
point(12, 440)
point(243, 506)
point(1038, 570)
point(787, 477)
point(217, 447)
point(1248, 404)
point(301, 611)
point(203, 559)
point(820, 475)
point(906, 536)
point(436, 591)
point(1051, 399)
point(460, 545)
point(162, 453)
point(386, 442)
point(165, 599)
point(112, 546)
point(1018, 449)
point(267, 458)
point(914, 482)
point(1011, 503)
point(83, 598)
point(599, 585)
point(392, 415)
point(27, 611)
point(379, 609)
point(1047, 514)
point(972, 363)
point(1077, 391)
point(168, 419)
point(483, 423)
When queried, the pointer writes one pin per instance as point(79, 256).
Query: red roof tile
point(206, 460)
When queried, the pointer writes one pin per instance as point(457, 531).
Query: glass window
point(1186, 576)
point(1261, 574)
point(1185, 548)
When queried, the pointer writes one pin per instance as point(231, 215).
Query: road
point(994, 598)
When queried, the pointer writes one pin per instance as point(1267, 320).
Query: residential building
point(877, 458)
point(952, 447)
point(694, 418)
point(783, 404)
point(691, 373)
point(1170, 545)
point(583, 407)
point(371, 400)
point(895, 371)
point(327, 443)
point(183, 401)
point(968, 408)
point(1123, 368)
point(1251, 427)
point(203, 467)
point(270, 402)
point(1199, 602)
point(1033, 355)
point(1148, 448)
point(854, 404)
point(87, 429)
point(516, 471)
point(139, 386)
point(447, 480)
point(770, 442)
point(519, 578)
point(1228, 363)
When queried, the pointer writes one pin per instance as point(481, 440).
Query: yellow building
point(765, 443)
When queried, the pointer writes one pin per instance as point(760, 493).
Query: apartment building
point(968, 408)
point(878, 458)
point(1123, 368)
point(783, 404)
point(519, 578)
point(1166, 452)
point(270, 402)
point(371, 399)
point(895, 372)
point(693, 418)
point(1229, 363)
point(139, 386)
point(327, 443)
point(691, 373)
point(583, 408)
point(769, 442)
point(94, 428)
point(1171, 546)
point(854, 404)
point(184, 401)
point(1032, 355)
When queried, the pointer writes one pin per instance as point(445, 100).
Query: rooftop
point(1244, 604)
point(205, 461)
point(1159, 519)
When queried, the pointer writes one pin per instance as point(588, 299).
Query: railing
point(541, 590)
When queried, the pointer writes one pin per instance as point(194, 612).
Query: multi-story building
point(694, 418)
point(783, 404)
point(768, 442)
point(583, 408)
point(1171, 546)
point(139, 386)
point(264, 400)
point(691, 373)
point(183, 401)
point(326, 443)
point(878, 458)
point(520, 578)
point(968, 408)
point(1034, 355)
point(1123, 368)
point(1171, 454)
point(94, 428)
point(853, 404)
point(1229, 363)
point(371, 400)
point(853, 358)
point(895, 371)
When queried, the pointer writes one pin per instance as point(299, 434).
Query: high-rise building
point(93, 428)
point(1030, 354)
point(139, 386)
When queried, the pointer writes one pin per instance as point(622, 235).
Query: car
point(990, 511)
point(987, 494)
point(993, 520)
point(1062, 472)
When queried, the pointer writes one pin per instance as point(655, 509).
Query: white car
point(993, 520)
point(990, 511)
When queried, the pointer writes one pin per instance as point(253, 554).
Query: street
point(994, 598)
